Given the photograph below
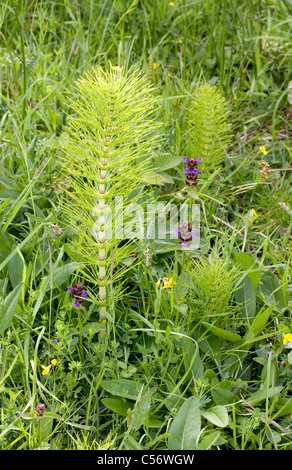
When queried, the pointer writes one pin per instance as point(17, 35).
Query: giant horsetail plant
point(209, 132)
point(107, 156)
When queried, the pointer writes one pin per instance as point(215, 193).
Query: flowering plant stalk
point(106, 157)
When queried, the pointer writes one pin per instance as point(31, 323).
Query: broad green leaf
point(283, 408)
point(123, 388)
point(5, 246)
point(3, 378)
point(53, 415)
point(131, 443)
point(62, 274)
point(16, 266)
point(192, 361)
point(121, 406)
point(272, 290)
point(140, 410)
point(8, 307)
point(95, 327)
point(247, 263)
point(223, 396)
point(225, 334)
point(262, 395)
point(186, 426)
point(11, 194)
point(209, 441)
point(260, 321)
point(167, 161)
point(28, 415)
point(210, 344)
point(245, 297)
point(273, 436)
point(173, 401)
point(217, 415)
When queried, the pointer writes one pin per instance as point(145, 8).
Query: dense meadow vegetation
point(145, 343)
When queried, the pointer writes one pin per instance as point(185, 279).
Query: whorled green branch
point(209, 128)
point(107, 155)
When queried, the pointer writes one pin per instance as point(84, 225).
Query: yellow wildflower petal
point(157, 283)
point(287, 338)
point(155, 65)
point(54, 362)
point(254, 212)
point(46, 369)
point(167, 286)
point(171, 4)
point(263, 150)
point(168, 283)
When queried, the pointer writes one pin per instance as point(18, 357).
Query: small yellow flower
point(155, 65)
point(254, 212)
point(168, 283)
point(172, 4)
point(46, 369)
point(287, 338)
point(158, 283)
point(116, 67)
point(263, 150)
point(235, 97)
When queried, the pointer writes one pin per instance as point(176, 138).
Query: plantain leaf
point(272, 291)
point(225, 334)
point(217, 415)
point(247, 263)
point(186, 426)
point(123, 388)
point(245, 296)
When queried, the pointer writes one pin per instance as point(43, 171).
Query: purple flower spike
point(185, 234)
point(191, 171)
point(78, 294)
point(40, 410)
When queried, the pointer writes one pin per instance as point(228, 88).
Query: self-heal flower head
point(265, 169)
point(40, 410)
point(78, 294)
point(191, 171)
point(186, 234)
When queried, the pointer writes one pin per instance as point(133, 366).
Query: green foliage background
point(175, 374)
